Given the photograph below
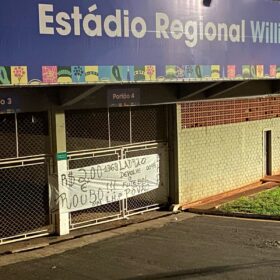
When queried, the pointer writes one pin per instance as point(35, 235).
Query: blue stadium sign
point(128, 41)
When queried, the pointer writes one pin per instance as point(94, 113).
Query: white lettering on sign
point(123, 96)
point(121, 25)
point(93, 25)
point(105, 183)
point(195, 31)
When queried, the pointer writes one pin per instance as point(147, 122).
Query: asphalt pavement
point(197, 247)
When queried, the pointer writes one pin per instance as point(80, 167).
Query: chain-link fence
point(149, 124)
point(120, 123)
point(8, 136)
point(86, 129)
point(96, 214)
point(94, 129)
point(24, 206)
point(23, 200)
point(33, 134)
point(156, 197)
point(121, 133)
point(24, 134)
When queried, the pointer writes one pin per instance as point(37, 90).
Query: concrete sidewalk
point(173, 247)
point(56, 245)
point(40, 242)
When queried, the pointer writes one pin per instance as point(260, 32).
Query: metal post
point(16, 128)
point(59, 148)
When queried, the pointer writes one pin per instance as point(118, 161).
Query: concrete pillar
point(60, 162)
point(173, 153)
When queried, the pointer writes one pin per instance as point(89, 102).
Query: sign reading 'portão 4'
point(95, 41)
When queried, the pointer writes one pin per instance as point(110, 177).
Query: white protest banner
point(96, 185)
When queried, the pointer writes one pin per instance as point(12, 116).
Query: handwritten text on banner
point(101, 184)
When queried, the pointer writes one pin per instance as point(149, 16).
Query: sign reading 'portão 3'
point(94, 41)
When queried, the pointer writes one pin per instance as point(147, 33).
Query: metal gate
point(24, 162)
point(100, 136)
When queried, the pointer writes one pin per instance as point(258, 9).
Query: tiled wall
point(220, 145)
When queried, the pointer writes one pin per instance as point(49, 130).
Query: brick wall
point(200, 114)
point(220, 144)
